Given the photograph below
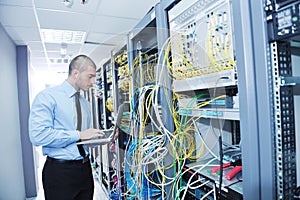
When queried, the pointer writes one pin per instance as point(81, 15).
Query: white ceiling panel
point(126, 8)
point(99, 53)
point(17, 16)
point(52, 47)
point(114, 25)
point(77, 7)
point(53, 54)
point(36, 45)
point(23, 33)
point(116, 39)
point(53, 50)
point(64, 20)
point(88, 48)
point(56, 47)
point(71, 51)
point(17, 2)
point(98, 37)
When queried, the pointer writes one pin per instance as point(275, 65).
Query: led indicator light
point(295, 18)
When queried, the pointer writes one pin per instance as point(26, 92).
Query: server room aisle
point(98, 192)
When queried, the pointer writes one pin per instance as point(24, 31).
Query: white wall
point(11, 168)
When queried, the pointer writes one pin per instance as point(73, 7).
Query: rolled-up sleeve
point(41, 124)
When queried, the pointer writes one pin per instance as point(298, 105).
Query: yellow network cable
point(181, 145)
point(109, 104)
point(219, 54)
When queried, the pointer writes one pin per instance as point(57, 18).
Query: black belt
point(62, 161)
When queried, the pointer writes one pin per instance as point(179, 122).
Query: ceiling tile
point(77, 7)
point(98, 37)
point(53, 50)
point(25, 17)
point(116, 39)
point(52, 46)
point(115, 25)
point(126, 8)
point(88, 48)
point(35, 46)
point(67, 20)
point(53, 54)
point(16, 2)
point(56, 47)
point(25, 34)
point(99, 52)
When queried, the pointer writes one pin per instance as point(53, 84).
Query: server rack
point(103, 119)
point(121, 80)
point(283, 32)
point(130, 54)
point(142, 60)
point(274, 136)
point(269, 135)
point(112, 158)
point(191, 19)
point(95, 97)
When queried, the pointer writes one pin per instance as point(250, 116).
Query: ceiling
point(106, 23)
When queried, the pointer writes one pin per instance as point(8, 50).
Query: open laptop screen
point(109, 134)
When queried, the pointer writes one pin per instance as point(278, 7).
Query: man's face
point(86, 78)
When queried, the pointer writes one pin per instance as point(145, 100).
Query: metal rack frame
point(284, 121)
point(255, 99)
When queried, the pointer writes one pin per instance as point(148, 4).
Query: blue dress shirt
point(53, 122)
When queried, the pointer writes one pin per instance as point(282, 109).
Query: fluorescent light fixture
point(63, 50)
point(59, 60)
point(62, 36)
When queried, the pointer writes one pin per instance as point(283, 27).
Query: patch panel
point(203, 44)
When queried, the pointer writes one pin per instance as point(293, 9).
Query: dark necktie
point(79, 121)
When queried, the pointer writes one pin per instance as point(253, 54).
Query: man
point(59, 118)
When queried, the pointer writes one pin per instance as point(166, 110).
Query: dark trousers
point(67, 181)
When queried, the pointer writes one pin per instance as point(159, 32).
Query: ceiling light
point(62, 36)
point(59, 60)
point(63, 50)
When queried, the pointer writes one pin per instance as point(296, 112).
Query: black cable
point(221, 167)
point(220, 144)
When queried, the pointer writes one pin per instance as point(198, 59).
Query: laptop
point(108, 133)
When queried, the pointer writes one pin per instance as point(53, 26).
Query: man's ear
point(75, 73)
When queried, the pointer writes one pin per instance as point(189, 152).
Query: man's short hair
point(81, 62)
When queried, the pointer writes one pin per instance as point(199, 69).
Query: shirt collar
point(68, 88)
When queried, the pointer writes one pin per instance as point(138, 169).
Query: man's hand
point(90, 133)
